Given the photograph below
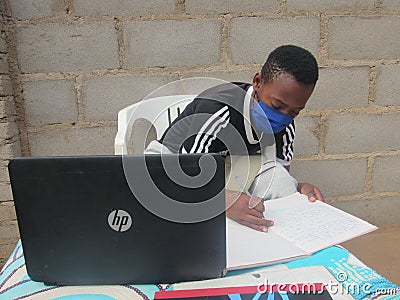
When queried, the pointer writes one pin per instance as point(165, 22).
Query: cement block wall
point(68, 66)
point(9, 143)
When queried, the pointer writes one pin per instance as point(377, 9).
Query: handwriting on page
point(314, 226)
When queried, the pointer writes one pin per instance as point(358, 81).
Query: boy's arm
point(207, 120)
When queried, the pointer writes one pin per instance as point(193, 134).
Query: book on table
point(300, 229)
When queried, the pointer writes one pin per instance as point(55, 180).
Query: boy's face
point(284, 93)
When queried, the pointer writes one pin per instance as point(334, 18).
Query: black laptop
point(121, 219)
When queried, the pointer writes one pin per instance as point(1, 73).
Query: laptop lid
point(81, 221)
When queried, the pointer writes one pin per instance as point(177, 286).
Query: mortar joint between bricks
point(373, 73)
point(78, 83)
point(369, 174)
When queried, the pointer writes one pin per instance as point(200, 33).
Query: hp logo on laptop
point(119, 220)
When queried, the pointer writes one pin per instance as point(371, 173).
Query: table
point(16, 284)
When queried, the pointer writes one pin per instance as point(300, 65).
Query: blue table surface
point(16, 284)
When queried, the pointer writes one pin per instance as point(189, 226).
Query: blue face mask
point(261, 113)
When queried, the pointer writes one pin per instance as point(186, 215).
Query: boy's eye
point(275, 106)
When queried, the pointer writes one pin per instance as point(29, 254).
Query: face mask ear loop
point(254, 95)
point(257, 100)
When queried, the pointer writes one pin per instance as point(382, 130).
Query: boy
point(244, 119)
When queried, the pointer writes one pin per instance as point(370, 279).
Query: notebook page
point(313, 226)
point(247, 247)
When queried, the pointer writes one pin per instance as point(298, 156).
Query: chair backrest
point(159, 111)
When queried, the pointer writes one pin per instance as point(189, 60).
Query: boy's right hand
point(239, 211)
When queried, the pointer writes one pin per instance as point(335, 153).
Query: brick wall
point(9, 143)
point(75, 64)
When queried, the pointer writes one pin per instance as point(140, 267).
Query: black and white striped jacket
point(218, 120)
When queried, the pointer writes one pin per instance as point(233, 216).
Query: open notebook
point(301, 228)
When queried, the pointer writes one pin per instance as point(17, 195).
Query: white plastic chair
point(159, 111)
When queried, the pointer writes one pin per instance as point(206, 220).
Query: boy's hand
point(311, 191)
point(239, 211)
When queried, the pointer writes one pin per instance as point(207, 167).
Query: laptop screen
point(120, 220)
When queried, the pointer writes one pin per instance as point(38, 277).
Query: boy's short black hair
point(291, 60)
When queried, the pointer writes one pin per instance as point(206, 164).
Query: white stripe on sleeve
point(287, 148)
point(220, 126)
point(215, 118)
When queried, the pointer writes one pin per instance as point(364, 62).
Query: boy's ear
point(257, 81)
